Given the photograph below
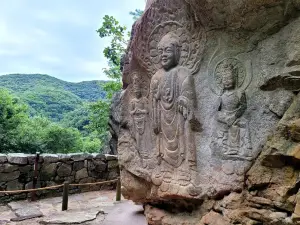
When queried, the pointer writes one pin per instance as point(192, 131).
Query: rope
point(57, 186)
point(103, 182)
point(30, 190)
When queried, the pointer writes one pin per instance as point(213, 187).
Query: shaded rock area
point(114, 123)
point(210, 125)
point(16, 172)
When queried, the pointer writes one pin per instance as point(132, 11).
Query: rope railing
point(65, 187)
point(57, 186)
point(31, 190)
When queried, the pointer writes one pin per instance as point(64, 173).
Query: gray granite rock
point(9, 176)
point(79, 156)
point(78, 165)
point(98, 156)
point(17, 158)
point(3, 158)
point(100, 166)
point(64, 170)
point(111, 157)
point(32, 157)
point(71, 217)
point(48, 171)
point(14, 185)
point(50, 158)
point(29, 185)
point(112, 164)
point(25, 169)
point(81, 174)
point(8, 168)
point(26, 213)
point(64, 157)
point(90, 165)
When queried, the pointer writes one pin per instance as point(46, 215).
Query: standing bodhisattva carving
point(172, 95)
point(140, 116)
point(231, 137)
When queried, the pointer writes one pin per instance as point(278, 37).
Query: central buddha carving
point(172, 96)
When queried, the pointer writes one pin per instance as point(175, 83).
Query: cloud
point(50, 59)
point(58, 37)
point(62, 16)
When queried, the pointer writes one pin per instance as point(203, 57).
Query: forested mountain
point(51, 97)
point(45, 114)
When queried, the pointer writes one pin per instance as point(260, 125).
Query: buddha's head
point(169, 50)
point(228, 78)
point(136, 85)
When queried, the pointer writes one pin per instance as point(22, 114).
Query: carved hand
point(159, 158)
point(156, 129)
point(182, 108)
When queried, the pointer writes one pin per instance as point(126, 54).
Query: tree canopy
point(119, 39)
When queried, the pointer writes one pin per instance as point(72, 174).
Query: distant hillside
point(49, 96)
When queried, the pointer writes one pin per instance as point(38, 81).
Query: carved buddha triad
point(172, 95)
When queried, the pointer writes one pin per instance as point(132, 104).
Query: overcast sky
point(58, 37)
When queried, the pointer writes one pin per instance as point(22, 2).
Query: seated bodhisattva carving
point(231, 137)
point(172, 96)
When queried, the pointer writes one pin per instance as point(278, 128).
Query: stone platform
point(89, 208)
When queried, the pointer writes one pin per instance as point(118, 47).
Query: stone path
point(90, 208)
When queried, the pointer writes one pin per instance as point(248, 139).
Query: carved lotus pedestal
point(209, 124)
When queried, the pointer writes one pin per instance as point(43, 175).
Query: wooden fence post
point(118, 195)
point(35, 175)
point(65, 196)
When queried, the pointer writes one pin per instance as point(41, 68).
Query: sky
point(58, 37)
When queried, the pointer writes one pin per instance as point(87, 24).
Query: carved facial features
point(228, 78)
point(167, 56)
point(136, 86)
point(168, 49)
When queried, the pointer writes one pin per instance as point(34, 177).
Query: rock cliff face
point(210, 125)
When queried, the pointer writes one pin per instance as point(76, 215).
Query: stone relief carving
point(231, 137)
point(192, 38)
point(139, 111)
point(191, 46)
point(172, 94)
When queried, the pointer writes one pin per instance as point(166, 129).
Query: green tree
point(62, 140)
point(31, 135)
point(12, 114)
point(119, 37)
point(136, 14)
point(79, 119)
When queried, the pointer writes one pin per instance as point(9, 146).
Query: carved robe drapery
point(232, 135)
point(172, 94)
point(140, 116)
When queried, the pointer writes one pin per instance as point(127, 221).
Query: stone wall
point(16, 172)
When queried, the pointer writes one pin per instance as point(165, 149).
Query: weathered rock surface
point(9, 176)
point(27, 213)
point(64, 170)
point(114, 123)
point(71, 217)
point(17, 158)
point(209, 131)
point(50, 158)
point(81, 174)
point(3, 158)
